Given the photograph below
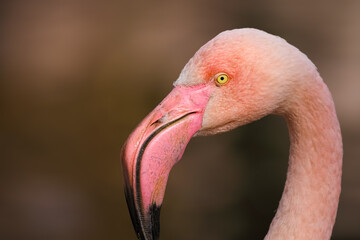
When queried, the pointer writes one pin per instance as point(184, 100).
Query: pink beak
point(152, 150)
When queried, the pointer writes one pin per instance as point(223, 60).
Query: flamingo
point(238, 77)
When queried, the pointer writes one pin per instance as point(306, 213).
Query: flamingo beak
point(152, 150)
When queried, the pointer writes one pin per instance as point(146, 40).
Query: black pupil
point(221, 78)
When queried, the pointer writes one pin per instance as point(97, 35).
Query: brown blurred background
point(77, 76)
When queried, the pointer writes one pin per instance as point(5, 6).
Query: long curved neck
point(308, 206)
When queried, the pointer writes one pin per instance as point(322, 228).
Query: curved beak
point(152, 150)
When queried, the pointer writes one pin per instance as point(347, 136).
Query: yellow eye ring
point(222, 79)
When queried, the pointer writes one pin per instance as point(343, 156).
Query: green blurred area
point(76, 77)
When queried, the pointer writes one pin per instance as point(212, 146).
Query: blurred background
point(77, 76)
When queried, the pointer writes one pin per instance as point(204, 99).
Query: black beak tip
point(154, 211)
point(149, 228)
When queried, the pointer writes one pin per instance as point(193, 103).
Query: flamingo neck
point(308, 206)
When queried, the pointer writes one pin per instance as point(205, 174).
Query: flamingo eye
point(221, 79)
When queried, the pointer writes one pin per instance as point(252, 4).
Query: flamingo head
point(237, 77)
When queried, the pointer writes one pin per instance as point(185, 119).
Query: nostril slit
point(160, 120)
point(156, 122)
